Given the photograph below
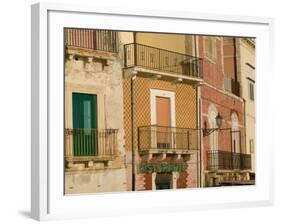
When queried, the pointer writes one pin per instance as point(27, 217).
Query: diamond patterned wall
point(185, 104)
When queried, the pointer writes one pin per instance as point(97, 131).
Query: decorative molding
point(162, 93)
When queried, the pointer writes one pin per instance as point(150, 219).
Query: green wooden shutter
point(84, 116)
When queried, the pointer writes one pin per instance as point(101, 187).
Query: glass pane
point(87, 114)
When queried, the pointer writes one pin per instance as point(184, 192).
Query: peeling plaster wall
point(110, 180)
point(101, 76)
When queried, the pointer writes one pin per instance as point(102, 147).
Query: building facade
point(160, 111)
point(224, 156)
point(246, 56)
point(94, 131)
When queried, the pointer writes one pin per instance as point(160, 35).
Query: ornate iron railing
point(91, 142)
point(167, 138)
point(102, 40)
point(162, 60)
point(224, 160)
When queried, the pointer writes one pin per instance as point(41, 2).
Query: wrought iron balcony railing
point(167, 138)
point(90, 142)
point(162, 60)
point(224, 160)
point(101, 40)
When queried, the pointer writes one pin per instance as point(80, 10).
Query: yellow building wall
point(247, 55)
point(173, 42)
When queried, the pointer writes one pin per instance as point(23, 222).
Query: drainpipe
point(198, 157)
point(133, 76)
point(235, 61)
point(134, 73)
point(200, 141)
point(245, 139)
point(198, 122)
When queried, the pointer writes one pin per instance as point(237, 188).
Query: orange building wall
point(185, 104)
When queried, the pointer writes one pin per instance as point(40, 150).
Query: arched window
point(235, 133)
point(212, 113)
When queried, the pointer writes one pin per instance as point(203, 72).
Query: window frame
point(210, 54)
point(251, 91)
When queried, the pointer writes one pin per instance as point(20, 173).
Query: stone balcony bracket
point(186, 158)
point(176, 157)
point(147, 157)
point(161, 157)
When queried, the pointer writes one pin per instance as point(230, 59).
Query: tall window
point(214, 146)
point(210, 47)
point(250, 71)
point(251, 143)
point(212, 113)
point(235, 133)
point(251, 91)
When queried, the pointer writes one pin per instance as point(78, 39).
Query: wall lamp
point(208, 131)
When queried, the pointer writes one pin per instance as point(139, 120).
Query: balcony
point(167, 140)
point(164, 63)
point(98, 40)
point(90, 144)
point(225, 160)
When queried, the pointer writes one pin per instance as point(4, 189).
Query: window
point(229, 57)
point(250, 72)
point(251, 143)
point(84, 118)
point(227, 84)
point(251, 91)
point(212, 114)
point(210, 47)
point(235, 133)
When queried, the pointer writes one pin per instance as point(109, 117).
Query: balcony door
point(213, 138)
point(84, 117)
point(163, 122)
point(162, 104)
point(235, 134)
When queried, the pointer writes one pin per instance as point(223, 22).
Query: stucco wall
point(104, 180)
point(100, 75)
point(173, 42)
point(247, 55)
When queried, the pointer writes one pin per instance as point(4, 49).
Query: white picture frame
point(48, 200)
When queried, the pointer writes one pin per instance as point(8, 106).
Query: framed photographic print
point(148, 111)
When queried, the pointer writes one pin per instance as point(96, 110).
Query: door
point(163, 181)
point(84, 116)
point(163, 122)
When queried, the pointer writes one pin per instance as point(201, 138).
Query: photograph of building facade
point(149, 111)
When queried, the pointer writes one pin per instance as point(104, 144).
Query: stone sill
point(90, 158)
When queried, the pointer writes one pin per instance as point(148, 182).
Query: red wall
point(212, 92)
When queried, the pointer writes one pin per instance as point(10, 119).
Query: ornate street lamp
point(208, 131)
